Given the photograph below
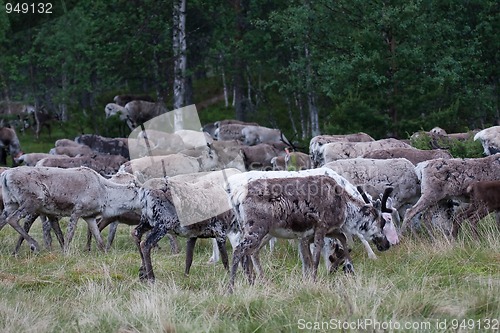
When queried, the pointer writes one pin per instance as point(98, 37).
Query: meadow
point(423, 284)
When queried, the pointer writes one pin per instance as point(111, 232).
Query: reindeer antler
point(386, 195)
point(363, 194)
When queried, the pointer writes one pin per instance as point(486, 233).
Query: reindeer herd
point(243, 182)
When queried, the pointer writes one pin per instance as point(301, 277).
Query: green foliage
point(457, 148)
point(385, 68)
point(355, 115)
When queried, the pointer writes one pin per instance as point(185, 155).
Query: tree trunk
point(393, 93)
point(290, 115)
point(180, 59)
point(188, 91)
point(311, 96)
point(239, 63)
point(63, 107)
point(224, 84)
point(303, 121)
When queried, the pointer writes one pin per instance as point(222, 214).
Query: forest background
point(388, 68)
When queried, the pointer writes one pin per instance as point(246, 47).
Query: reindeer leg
point(92, 226)
point(54, 223)
point(305, 257)
point(153, 238)
point(136, 234)
point(256, 256)
point(250, 242)
point(221, 245)
point(215, 252)
point(420, 206)
point(111, 235)
point(237, 257)
point(46, 228)
point(319, 241)
point(70, 233)
point(174, 244)
point(13, 221)
point(367, 246)
point(189, 254)
point(30, 219)
point(88, 246)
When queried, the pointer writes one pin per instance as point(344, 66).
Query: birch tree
point(180, 59)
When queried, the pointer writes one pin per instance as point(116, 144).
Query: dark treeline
point(387, 68)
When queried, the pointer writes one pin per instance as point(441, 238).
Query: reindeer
point(449, 179)
point(9, 139)
point(303, 206)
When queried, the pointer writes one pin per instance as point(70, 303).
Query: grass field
point(421, 283)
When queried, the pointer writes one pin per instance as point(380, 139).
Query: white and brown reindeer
point(318, 141)
point(343, 150)
point(490, 139)
point(304, 206)
point(163, 213)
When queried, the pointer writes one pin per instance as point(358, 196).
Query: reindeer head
point(381, 230)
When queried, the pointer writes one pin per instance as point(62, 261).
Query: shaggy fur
point(449, 179)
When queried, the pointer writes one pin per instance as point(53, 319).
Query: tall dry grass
point(420, 280)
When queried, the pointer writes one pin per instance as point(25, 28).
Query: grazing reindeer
point(300, 207)
point(161, 216)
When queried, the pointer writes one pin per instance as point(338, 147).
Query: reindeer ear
point(388, 204)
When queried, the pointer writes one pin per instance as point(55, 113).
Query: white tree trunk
point(179, 48)
point(303, 121)
point(311, 96)
point(63, 107)
point(224, 83)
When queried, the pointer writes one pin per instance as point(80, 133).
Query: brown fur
point(105, 165)
point(484, 199)
point(103, 145)
point(259, 157)
point(413, 155)
point(318, 141)
point(296, 161)
point(343, 150)
point(124, 99)
point(9, 139)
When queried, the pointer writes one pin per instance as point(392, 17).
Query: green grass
point(418, 281)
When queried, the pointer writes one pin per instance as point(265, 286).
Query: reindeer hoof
point(34, 248)
point(348, 268)
point(142, 274)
